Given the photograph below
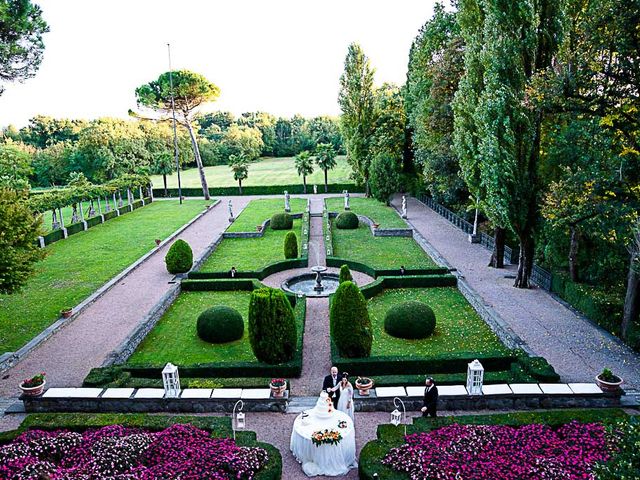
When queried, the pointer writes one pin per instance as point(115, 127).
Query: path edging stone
point(11, 358)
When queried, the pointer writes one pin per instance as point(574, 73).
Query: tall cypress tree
point(356, 100)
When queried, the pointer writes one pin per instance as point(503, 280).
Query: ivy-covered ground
point(77, 266)
point(174, 338)
point(459, 328)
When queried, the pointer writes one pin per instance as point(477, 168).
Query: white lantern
point(396, 417)
point(475, 377)
point(171, 381)
point(239, 423)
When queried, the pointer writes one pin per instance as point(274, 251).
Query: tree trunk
point(164, 179)
point(367, 191)
point(326, 183)
point(525, 262)
point(196, 154)
point(240, 186)
point(497, 256)
point(631, 312)
point(573, 253)
point(304, 183)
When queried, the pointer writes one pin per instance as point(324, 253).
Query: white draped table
point(332, 460)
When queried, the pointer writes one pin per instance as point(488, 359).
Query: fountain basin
point(305, 284)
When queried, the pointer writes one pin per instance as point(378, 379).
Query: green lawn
point(378, 252)
point(377, 211)
point(458, 327)
point(174, 338)
point(250, 254)
point(74, 268)
point(257, 211)
point(265, 171)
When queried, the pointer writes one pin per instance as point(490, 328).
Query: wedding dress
point(346, 398)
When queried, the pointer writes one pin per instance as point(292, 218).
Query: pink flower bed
point(119, 453)
point(489, 452)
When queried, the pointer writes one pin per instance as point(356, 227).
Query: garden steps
point(300, 404)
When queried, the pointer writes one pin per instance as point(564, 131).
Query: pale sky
point(279, 56)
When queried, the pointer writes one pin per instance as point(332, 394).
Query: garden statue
point(230, 212)
point(346, 200)
point(315, 189)
point(287, 206)
point(404, 206)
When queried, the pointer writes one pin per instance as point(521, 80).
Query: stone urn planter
point(278, 386)
point(364, 384)
point(608, 382)
point(34, 386)
point(66, 312)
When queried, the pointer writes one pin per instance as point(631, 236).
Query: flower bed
point(120, 453)
point(499, 451)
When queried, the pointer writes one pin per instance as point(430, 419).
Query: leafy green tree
point(15, 166)
point(357, 102)
point(265, 124)
point(21, 44)
point(324, 129)
point(436, 64)
point(51, 165)
point(191, 90)
point(18, 242)
point(304, 166)
point(389, 128)
point(385, 179)
point(162, 164)
point(326, 160)
point(221, 119)
point(43, 131)
point(241, 141)
point(345, 274)
point(240, 167)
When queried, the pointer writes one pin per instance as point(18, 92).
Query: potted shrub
point(33, 386)
point(364, 384)
point(278, 386)
point(607, 381)
point(66, 312)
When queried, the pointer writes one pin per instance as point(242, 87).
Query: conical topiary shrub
point(179, 258)
point(349, 321)
point(272, 326)
point(345, 274)
point(290, 245)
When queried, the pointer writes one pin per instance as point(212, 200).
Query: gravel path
point(576, 348)
point(69, 354)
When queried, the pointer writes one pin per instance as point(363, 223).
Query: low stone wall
point(256, 234)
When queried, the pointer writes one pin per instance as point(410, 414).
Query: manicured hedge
point(255, 190)
point(93, 221)
point(411, 320)
point(272, 326)
point(270, 269)
point(111, 214)
point(179, 258)
point(337, 262)
point(281, 221)
point(290, 245)
point(75, 228)
point(347, 221)
point(220, 324)
point(53, 237)
point(408, 281)
point(349, 321)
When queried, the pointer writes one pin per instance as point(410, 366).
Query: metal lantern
point(239, 423)
point(475, 378)
point(171, 381)
point(396, 417)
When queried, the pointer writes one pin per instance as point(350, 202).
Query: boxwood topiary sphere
point(220, 324)
point(411, 320)
point(347, 221)
point(179, 258)
point(281, 221)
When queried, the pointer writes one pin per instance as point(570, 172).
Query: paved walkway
point(71, 352)
point(576, 348)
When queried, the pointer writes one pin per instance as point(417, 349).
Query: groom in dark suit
point(430, 398)
point(331, 385)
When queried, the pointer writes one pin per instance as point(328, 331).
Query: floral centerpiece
point(328, 437)
point(33, 386)
point(278, 386)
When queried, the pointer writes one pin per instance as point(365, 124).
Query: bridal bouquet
point(330, 437)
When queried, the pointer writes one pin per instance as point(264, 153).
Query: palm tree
point(304, 166)
point(326, 160)
point(240, 167)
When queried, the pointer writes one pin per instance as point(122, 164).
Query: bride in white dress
point(345, 402)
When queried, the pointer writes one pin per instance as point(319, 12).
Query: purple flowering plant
point(476, 452)
point(179, 452)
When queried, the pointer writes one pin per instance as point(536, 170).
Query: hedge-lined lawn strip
point(257, 211)
point(251, 254)
point(378, 252)
point(174, 339)
point(458, 327)
point(265, 171)
point(74, 268)
point(377, 211)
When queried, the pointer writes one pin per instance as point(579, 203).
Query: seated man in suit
point(331, 385)
point(430, 398)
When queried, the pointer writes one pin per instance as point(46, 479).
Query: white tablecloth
point(332, 460)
